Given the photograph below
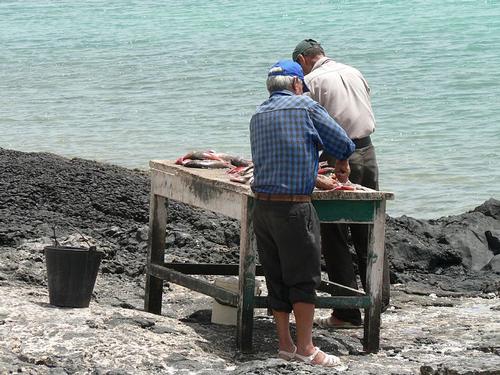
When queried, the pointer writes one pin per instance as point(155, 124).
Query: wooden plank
point(374, 276)
point(231, 298)
point(341, 211)
point(215, 178)
point(156, 251)
point(332, 288)
point(339, 302)
point(219, 179)
point(350, 195)
point(246, 277)
point(224, 296)
point(186, 189)
point(210, 268)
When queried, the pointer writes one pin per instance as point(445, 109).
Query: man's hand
point(325, 182)
point(342, 170)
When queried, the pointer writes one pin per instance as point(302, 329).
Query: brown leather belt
point(282, 197)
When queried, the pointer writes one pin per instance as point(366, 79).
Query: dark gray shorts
point(289, 246)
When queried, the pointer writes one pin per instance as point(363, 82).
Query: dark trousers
point(289, 246)
point(335, 239)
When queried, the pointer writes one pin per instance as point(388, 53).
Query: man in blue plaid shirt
point(287, 132)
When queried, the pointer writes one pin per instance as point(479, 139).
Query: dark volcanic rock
point(110, 206)
point(493, 239)
point(41, 192)
point(451, 253)
point(493, 264)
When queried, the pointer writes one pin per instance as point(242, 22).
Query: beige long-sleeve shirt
point(345, 94)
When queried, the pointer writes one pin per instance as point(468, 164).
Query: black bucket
point(71, 274)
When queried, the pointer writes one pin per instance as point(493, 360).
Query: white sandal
point(329, 360)
point(287, 356)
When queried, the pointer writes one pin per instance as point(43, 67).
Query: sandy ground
point(420, 335)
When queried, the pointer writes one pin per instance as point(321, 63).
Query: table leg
point(246, 278)
point(374, 276)
point(156, 252)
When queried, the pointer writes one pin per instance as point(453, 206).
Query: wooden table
point(211, 189)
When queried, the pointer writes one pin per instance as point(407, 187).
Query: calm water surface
point(129, 81)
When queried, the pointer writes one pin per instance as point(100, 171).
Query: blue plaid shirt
point(286, 134)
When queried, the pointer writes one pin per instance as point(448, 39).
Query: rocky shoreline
point(445, 275)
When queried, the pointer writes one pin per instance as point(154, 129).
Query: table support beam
point(374, 276)
point(247, 277)
point(222, 295)
point(156, 252)
point(339, 302)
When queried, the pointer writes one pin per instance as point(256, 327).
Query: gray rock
point(164, 330)
point(143, 322)
point(493, 264)
point(493, 238)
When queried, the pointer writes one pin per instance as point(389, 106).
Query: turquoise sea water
point(128, 81)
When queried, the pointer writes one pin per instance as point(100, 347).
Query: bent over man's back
point(285, 133)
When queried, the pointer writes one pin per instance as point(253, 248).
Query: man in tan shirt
point(345, 94)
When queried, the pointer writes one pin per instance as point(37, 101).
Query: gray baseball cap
point(303, 46)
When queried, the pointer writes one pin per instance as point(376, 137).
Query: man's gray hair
point(278, 83)
point(316, 50)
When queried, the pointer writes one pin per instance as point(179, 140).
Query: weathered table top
point(219, 178)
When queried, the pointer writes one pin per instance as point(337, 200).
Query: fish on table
point(205, 163)
point(241, 170)
point(325, 179)
point(235, 160)
point(211, 159)
point(241, 174)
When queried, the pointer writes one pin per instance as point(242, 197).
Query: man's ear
point(301, 60)
point(297, 86)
